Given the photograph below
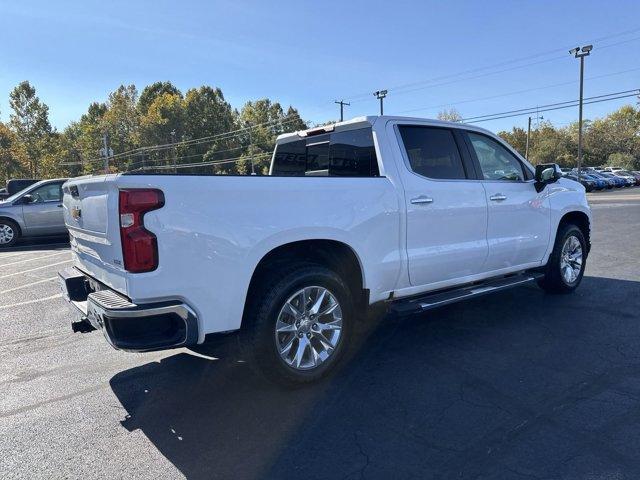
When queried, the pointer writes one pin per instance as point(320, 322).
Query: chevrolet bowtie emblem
point(76, 213)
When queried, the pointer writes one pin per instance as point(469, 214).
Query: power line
point(551, 107)
point(491, 97)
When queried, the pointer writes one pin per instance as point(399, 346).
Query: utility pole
point(253, 171)
point(173, 143)
point(526, 150)
point(105, 151)
point(380, 94)
point(580, 52)
point(342, 103)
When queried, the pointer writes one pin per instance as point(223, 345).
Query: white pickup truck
point(407, 212)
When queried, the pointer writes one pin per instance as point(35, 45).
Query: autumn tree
point(30, 123)
point(13, 161)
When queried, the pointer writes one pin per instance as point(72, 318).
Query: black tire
point(554, 281)
point(13, 228)
point(258, 337)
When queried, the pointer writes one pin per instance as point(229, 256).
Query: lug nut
point(315, 325)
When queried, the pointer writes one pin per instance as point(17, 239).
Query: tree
point(517, 138)
point(153, 91)
point(13, 161)
point(618, 132)
point(451, 115)
point(163, 121)
point(207, 113)
point(624, 160)
point(30, 123)
point(121, 119)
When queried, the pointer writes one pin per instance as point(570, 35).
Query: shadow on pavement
point(38, 243)
point(518, 384)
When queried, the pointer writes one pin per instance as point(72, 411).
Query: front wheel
point(567, 261)
point(299, 325)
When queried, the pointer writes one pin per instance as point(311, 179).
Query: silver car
point(34, 211)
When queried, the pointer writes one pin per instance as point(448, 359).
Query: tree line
point(162, 128)
point(158, 128)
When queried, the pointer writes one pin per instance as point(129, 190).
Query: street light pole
point(380, 94)
point(580, 52)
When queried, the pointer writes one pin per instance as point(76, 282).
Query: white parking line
point(51, 279)
point(32, 259)
point(19, 304)
point(34, 269)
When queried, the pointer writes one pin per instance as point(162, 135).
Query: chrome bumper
point(125, 325)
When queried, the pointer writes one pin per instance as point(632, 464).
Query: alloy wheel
point(571, 259)
point(308, 328)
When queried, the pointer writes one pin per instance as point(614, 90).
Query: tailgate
point(91, 215)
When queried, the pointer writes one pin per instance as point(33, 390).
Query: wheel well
point(14, 222)
point(581, 220)
point(332, 254)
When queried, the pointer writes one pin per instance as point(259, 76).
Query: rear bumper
point(125, 325)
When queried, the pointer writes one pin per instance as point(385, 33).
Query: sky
point(479, 57)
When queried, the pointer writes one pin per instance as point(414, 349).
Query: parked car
point(619, 182)
point(15, 185)
point(629, 179)
point(610, 183)
point(402, 212)
point(34, 211)
point(599, 183)
point(587, 183)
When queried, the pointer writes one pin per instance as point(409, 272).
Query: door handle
point(421, 200)
point(498, 197)
point(59, 206)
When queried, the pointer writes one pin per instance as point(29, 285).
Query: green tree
point(121, 120)
point(153, 91)
point(517, 138)
point(624, 160)
point(207, 113)
point(618, 132)
point(13, 161)
point(163, 121)
point(30, 123)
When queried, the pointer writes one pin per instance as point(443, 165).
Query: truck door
point(446, 205)
point(519, 218)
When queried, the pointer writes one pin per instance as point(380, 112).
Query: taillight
point(139, 246)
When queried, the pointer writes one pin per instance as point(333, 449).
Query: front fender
point(565, 196)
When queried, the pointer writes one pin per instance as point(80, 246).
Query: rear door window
point(433, 152)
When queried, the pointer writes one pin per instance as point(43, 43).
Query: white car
point(405, 212)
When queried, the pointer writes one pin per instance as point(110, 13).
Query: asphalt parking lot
point(515, 385)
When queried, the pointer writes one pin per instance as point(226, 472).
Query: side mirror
point(546, 173)
point(26, 199)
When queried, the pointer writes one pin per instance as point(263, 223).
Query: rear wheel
point(566, 264)
point(9, 233)
point(298, 324)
